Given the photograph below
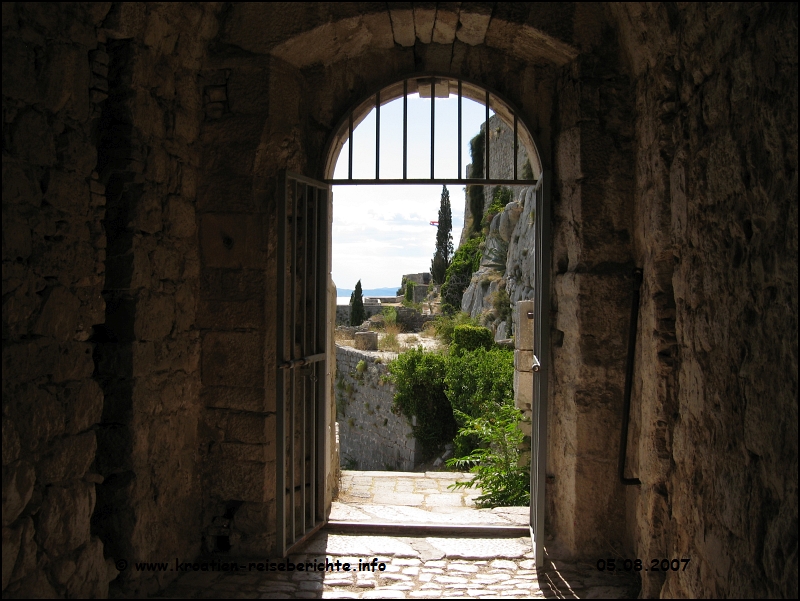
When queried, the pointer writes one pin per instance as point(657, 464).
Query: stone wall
point(343, 313)
point(714, 434)
point(54, 266)
point(371, 435)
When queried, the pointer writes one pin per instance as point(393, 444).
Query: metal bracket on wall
point(626, 405)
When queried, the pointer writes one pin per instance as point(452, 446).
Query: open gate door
point(302, 255)
point(541, 361)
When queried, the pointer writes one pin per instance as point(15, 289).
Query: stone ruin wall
point(371, 435)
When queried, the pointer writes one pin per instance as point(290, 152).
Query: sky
point(383, 232)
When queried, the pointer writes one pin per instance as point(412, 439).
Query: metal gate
point(302, 258)
point(541, 361)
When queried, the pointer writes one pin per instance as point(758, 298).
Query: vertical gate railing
point(302, 247)
point(541, 352)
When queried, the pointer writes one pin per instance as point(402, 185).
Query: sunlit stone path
point(421, 566)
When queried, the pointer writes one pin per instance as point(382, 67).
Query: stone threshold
point(429, 529)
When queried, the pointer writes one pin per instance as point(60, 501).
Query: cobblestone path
point(424, 567)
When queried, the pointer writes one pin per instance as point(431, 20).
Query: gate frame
point(313, 517)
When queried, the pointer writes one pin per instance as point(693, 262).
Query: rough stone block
point(60, 315)
point(155, 317)
point(523, 360)
point(232, 241)
point(523, 389)
point(18, 481)
point(249, 482)
point(366, 341)
point(233, 359)
point(11, 542)
point(90, 576)
point(64, 517)
point(403, 23)
point(524, 338)
point(444, 29)
point(238, 398)
point(424, 17)
point(259, 453)
point(70, 458)
point(229, 315)
point(11, 442)
point(474, 21)
point(249, 428)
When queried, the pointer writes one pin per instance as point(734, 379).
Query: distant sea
point(343, 294)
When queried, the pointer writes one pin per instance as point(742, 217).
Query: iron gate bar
point(292, 339)
point(405, 129)
point(303, 351)
point(310, 340)
point(626, 400)
point(280, 381)
point(429, 182)
point(541, 349)
point(486, 141)
point(433, 121)
point(377, 134)
point(350, 150)
point(321, 256)
point(515, 146)
point(460, 176)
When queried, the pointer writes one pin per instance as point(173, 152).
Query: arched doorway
point(304, 328)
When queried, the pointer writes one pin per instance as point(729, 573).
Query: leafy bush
point(466, 261)
point(469, 337)
point(480, 381)
point(444, 325)
point(495, 463)
point(477, 384)
point(419, 384)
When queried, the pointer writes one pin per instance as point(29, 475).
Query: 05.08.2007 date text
point(637, 565)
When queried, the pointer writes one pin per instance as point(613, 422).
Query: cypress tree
point(444, 239)
point(357, 313)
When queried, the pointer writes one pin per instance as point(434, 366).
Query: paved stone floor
point(424, 567)
point(416, 498)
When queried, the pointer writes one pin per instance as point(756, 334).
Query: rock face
point(142, 175)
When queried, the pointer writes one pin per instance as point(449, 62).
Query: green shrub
point(466, 261)
point(479, 381)
point(495, 462)
point(389, 316)
point(444, 325)
point(410, 291)
point(501, 304)
point(419, 392)
point(501, 197)
point(470, 337)
point(477, 384)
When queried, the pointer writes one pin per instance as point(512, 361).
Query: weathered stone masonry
point(370, 434)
